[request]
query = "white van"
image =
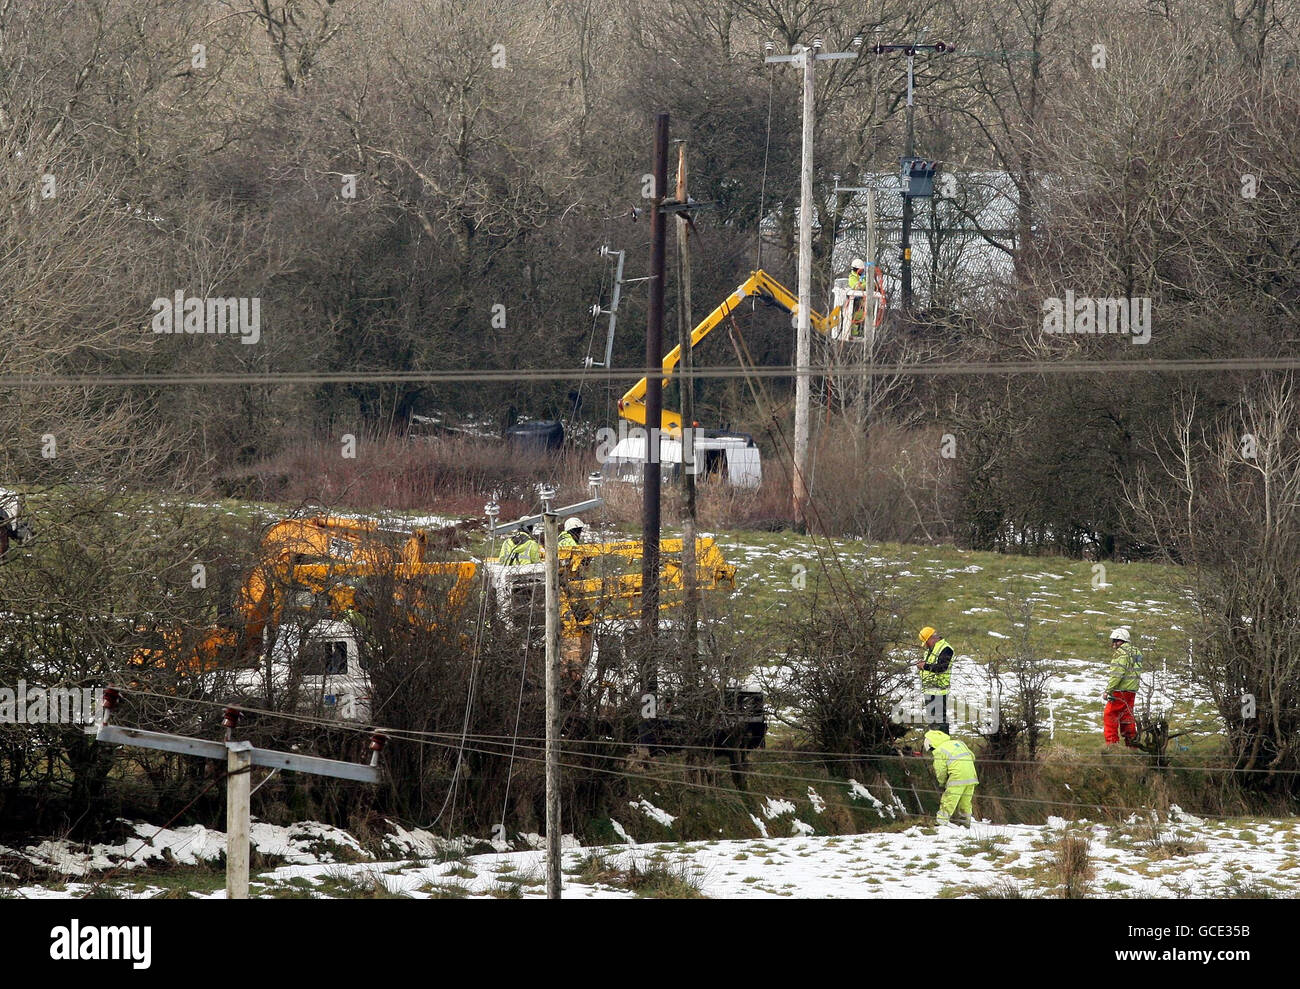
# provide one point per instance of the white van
(732, 458)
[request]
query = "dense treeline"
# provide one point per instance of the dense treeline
(383, 177)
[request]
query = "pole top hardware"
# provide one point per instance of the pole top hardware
(690, 206)
(909, 48)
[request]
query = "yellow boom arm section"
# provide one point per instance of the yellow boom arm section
(760, 284)
(611, 593)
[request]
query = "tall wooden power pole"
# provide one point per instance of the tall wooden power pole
(685, 325)
(654, 396)
(551, 536)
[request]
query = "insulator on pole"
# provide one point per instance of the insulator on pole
(377, 742)
(112, 697)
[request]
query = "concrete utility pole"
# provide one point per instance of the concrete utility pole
(873, 303)
(808, 58)
(654, 395)
(551, 535)
(872, 308)
(803, 343)
(685, 326)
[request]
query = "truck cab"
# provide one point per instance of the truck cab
(731, 458)
(320, 663)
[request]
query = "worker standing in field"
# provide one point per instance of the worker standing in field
(936, 677)
(572, 534)
(521, 548)
(1121, 690)
(954, 768)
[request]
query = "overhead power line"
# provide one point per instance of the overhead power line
(473, 375)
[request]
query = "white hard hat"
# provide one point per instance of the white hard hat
(1120, 633)
(857, 263)
(572, 522)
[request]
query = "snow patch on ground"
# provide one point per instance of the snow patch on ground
(775, 808)
(306, 842)
(815, 798)
(859, 792)
(918, 862)
(653, 812)
(621, 832)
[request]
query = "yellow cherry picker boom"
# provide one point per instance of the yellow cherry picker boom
(730, 455)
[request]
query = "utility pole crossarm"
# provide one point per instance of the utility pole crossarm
(576, 509)
(240, 757)
(292, 762)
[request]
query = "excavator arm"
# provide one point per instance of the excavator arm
(327, 557)
(759, 285)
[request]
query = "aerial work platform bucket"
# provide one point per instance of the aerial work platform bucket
(861, 311)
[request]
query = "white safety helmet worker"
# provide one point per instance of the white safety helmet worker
(573, 523)
(1119, 635)
(857, 264)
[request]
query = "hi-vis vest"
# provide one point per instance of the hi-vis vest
(954, 762)
(1125, 668)
(520, 553)
(937, 683)
(566, 540)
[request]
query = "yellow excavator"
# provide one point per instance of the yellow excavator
(312, 572)
(308, 561)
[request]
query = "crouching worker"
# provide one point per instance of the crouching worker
(954, 768)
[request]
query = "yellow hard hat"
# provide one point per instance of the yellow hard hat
(925, 634)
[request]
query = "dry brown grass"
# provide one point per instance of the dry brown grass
(1072, 865)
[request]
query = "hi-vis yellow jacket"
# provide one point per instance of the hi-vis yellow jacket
(954, 763)
(934, 681)
(1125, 668)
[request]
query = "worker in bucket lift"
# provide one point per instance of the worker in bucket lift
(521, 548)
(859, 282)
(954, 768)
(1121, 690)
(936, 677)
(572, 534)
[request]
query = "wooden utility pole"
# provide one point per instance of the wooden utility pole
(803, 343)
(239, 770)
(551, 535)
(872, 305)
(654, 395)
(685, 327)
